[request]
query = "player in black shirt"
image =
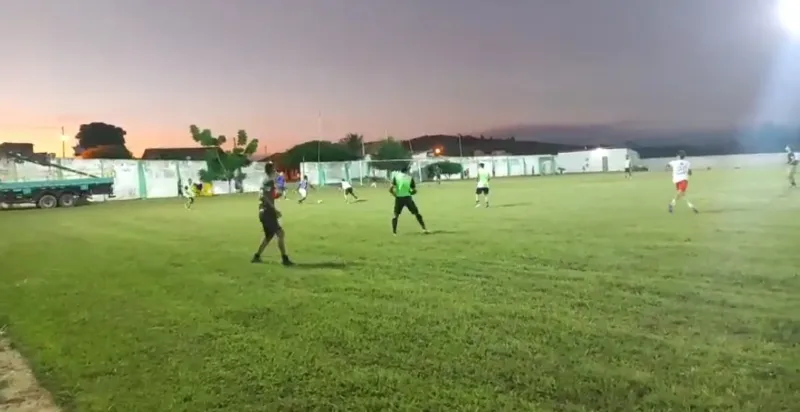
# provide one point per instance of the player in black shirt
(269, 215)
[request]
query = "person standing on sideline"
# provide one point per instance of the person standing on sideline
(792, 159)
(628, 172)
(403, 188)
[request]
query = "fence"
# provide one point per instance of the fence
(423, 169)
(133, 179)
(146, 179)
(602, 160)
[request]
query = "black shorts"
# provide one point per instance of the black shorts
(482, 191)
(627, 170)
(348, 191)
(406, 202)
(269, 223)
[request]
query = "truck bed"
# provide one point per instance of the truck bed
(82, 184)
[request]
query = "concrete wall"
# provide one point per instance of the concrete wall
(502, 166)
(133, 179)
(721, 162)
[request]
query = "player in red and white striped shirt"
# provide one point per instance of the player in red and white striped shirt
(681, 170)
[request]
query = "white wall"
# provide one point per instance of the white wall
(592, 160)
(721, 162)
(501, 166)
(133, 179)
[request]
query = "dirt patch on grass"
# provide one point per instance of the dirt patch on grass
(19, 391)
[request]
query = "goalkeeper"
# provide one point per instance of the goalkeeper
(403, 188)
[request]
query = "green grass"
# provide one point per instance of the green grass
(573, 293)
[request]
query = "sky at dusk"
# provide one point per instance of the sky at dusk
(407, 67)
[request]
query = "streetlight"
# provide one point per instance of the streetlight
(789, 16)
(64, 138)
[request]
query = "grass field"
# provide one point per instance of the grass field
(573, 293)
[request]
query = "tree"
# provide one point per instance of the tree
(94, 135)
(445, 168)
(106, 152)
(222, 164)
(354, 142)
(314, 150)
(391, 156)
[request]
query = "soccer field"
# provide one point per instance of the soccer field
(571, 293)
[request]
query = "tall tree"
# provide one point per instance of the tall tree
(96, 135)
(106, 152)
(354, 142)
(224, 164)
(323, 150)
(391, 156)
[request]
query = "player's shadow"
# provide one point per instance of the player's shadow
(722, 210)
(437, 232)
(359, 200)
(511, 205)
(321, 265)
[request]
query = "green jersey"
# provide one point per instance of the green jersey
(483, 178)
(404, 185)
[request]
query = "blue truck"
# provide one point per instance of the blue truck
(47, 194)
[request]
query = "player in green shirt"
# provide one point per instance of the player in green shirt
(403, 188)
(483, 186)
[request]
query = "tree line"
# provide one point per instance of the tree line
(226, 158)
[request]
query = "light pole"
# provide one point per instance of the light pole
(63, 143)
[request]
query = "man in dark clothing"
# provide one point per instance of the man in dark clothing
(268, 215)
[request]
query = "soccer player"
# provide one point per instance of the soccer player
(188, 194)
(628, 173)
(681, 170)
(403, 188)
(280, 182)
(483, 186)
(792, 159)
(269, 215)
(302, 189)
(347, 189)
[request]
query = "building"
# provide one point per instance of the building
(24, 149)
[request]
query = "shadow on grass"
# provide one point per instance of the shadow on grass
(437, 232)
(511, 205)
(359, 201)
(721, 210)
(320, 265)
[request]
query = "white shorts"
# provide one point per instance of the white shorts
(303, 192)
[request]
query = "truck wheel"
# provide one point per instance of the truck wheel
(47, 201)
(66, 200)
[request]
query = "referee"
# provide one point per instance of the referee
(403, 188)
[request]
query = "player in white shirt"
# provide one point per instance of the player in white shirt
(681, 170)
(792, 159)
(302, 189)
(628, 173)
(347, 190)
(483, 185)
(187, 191)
